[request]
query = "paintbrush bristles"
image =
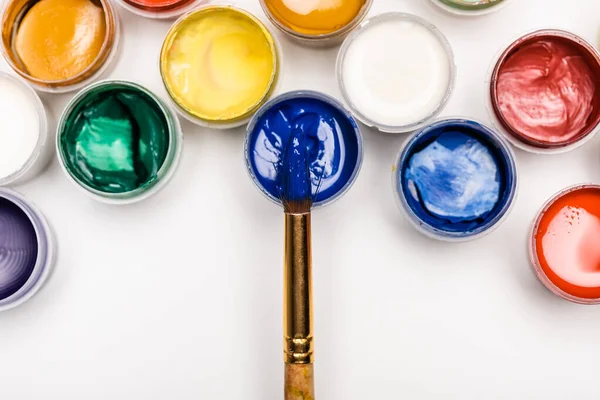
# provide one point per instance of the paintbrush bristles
(297, 206)
(296, 185)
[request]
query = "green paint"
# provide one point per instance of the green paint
(471, 5)
(115, 138)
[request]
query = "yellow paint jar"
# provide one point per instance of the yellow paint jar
(219, 64)
(59, 45)
(319, 22)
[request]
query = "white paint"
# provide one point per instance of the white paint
(396, 72)
(19, 125)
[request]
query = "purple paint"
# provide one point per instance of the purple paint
(26, 249)
(18, 248)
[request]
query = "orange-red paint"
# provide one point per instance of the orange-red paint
(567, 243)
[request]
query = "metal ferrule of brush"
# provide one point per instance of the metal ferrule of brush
(298, 318)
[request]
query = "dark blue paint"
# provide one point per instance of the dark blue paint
(331, 139)
(295, 166)
(420, 187)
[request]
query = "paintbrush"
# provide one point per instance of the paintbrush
(297, 199)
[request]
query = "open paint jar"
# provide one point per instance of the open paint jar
(219, 64)
(396, 72)
(334, 144)
(26, 249)
(316, 22)
(159, 8)
(59, 45)
(455, 180)
(24, 146)
(544, 91)
(470, 7)
(564, 246)
(118, 141)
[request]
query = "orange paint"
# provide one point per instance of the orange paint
(315, 17)
(567, 243)
(59, 39)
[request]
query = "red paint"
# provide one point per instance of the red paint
(159, 5)
(566, 244)
(545, 89)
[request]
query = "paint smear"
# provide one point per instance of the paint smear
(219, 64)
(566, 240)
(59, 39)
(546, 91)
(315, 17)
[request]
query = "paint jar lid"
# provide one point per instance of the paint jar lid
(463, 147)
(14, 12)
(226, 107)
(159, 9)
(563, 244)
(520, 140)
(139, 148)
(41, 150)
(391, 116)
(334, 165)
(470, 8)
(23, 276)
(305, 36)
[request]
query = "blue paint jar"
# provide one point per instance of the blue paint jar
(455, 180)
(334, 144)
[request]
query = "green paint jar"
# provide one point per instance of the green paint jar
(118, 141)
(470, 7)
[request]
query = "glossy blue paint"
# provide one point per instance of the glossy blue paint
(330, 137)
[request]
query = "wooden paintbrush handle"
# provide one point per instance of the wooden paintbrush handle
(298, 318)
(299, 382)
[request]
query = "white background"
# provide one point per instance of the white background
(179, 297)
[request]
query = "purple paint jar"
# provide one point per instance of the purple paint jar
(26, 249)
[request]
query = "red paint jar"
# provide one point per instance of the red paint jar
(565, 244)
(160, 8)
(544, 91)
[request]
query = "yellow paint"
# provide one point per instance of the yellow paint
(315, 17)
(58, 39)
(219, 64)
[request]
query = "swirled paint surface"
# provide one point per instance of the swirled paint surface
(219, 64)
(315, 17)
(18, 248)
(546, 91)
(455, 177)
(331, 140)
(58, 39)
(567, 238)
(115, 139)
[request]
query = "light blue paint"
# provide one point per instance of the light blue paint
(455, 177)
